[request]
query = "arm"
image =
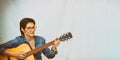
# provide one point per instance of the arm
(10, 44)
(51, 53)
(20, 55)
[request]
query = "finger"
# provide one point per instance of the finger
(57, 39)
(56, 43)
(21, 56)
(22, 53)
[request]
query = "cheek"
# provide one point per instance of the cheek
(26, 31)
(30, 32)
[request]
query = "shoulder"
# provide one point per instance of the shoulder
(16, 38)
(20, 38)
(15, 41)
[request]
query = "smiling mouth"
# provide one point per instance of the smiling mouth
(31, 33)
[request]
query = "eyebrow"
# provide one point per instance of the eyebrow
(30, 26)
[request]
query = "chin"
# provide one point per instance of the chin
(32, 35)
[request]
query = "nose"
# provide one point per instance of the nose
(32, 30)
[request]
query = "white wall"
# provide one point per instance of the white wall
(93, 23)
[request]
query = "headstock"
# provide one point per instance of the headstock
(65, 36)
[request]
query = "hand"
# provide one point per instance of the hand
(20, 55)
(56, 42)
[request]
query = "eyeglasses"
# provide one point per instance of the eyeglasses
(29, 28)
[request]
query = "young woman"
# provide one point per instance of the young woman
(27, 29)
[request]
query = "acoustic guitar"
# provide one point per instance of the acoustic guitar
(26, 48)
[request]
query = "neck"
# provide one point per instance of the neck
(29, 38)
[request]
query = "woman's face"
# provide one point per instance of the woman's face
(29, 29)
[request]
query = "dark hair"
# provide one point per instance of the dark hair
(24, 22)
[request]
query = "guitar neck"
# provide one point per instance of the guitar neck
(39, 48)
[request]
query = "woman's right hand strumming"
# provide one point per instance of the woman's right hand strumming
(20, 55)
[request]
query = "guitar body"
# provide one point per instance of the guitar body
(21, 48)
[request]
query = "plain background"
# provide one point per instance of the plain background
(95, 25)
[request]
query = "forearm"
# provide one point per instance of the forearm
(19, 55)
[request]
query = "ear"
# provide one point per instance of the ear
(22, 29)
